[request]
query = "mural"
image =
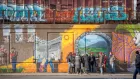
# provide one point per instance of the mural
(97, 15)
(94, 42)
(49, 55)
(38, 10)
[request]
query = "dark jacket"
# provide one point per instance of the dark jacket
(92, 60)
(86, 61)
(137, 61)
(69, 58)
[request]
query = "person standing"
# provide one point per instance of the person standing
(73, 63)
(92, 62)
(112, 64)
(104, 62)
(13, 57)
(69, 58)
(82, 64)
(101, 62)
(137, 64)
(86, 60)
(78, 63)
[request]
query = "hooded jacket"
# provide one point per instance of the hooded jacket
(137, 61)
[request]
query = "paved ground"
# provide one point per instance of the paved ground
(66, 77)
(63, 76)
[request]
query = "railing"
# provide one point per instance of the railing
(68, 17)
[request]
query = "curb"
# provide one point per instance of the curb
(59, 74)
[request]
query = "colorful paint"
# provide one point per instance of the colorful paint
(47, 49)
(39, 10)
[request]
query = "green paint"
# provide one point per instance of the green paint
(128, 27)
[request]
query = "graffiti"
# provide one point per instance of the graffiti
(96, 15)
(3, 6)
(137, 38)
(19, 12)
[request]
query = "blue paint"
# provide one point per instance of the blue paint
(28, 8)
(19, 12)
(39, 11)
(95, 15)
(15, 12)
(3, 7)
(11, 10)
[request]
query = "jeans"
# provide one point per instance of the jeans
(14, 65)
(112, 68)
(51, 65)
(92, 67)
(69, 66)
(136, 72)
(101, 70)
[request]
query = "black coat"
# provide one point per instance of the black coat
(86, 61)
(137, 61)
(92, 60)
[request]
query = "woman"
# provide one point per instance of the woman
(101, 62)
(112, 64)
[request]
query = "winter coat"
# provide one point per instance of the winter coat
(86, 60)
(112, 60)
(77, 62)
(92, 59)
(73, 61)
(100, 60)
(137, 61)
(69, 58)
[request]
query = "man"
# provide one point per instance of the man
(86, 61)
(69, 60)
(13, 56)
(137, 64)
(92, 62)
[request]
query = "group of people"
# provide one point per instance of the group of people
(89, 63)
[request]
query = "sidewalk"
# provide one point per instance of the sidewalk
(63, 74)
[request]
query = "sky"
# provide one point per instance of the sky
(90, 39)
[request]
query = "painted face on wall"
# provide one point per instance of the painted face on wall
(137, 38)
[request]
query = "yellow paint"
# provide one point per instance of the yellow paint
(68, 39)
(68, 44)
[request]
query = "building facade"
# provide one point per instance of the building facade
(68, 11)
(35, 44)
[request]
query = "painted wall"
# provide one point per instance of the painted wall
(45, 43)
(42, 11)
